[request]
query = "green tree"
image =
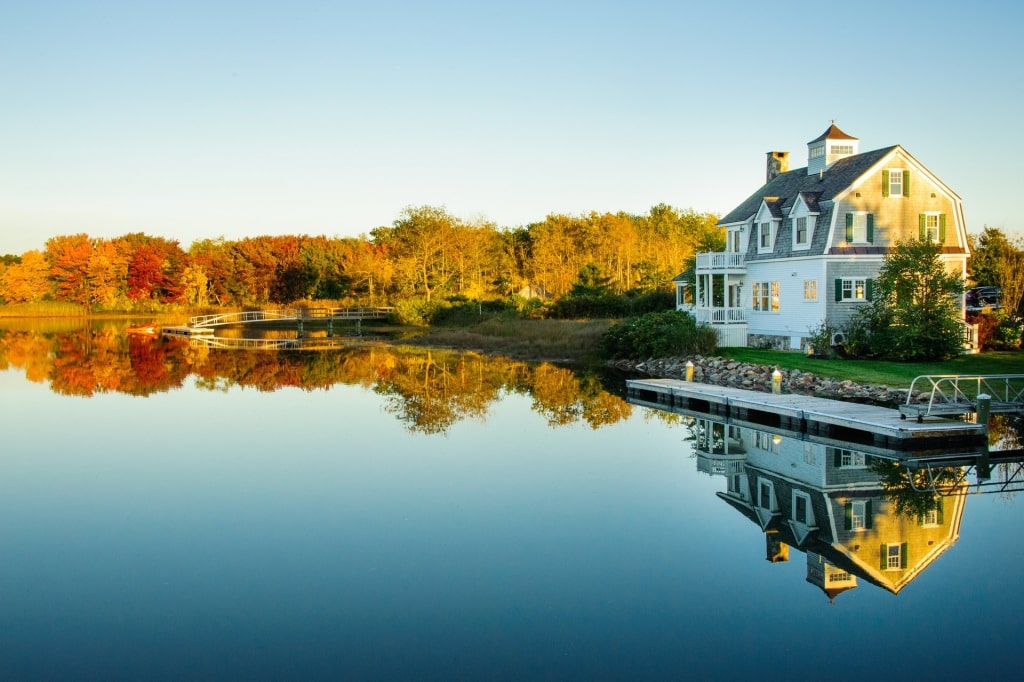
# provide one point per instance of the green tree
(913, 314)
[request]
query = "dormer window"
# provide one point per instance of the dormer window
(764, 236)
(842, 149)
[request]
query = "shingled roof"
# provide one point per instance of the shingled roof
(787, 186)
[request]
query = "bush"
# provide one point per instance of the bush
(659, 335)
(819, 340)
(997, 331)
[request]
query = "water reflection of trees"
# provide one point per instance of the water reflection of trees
(428, 390)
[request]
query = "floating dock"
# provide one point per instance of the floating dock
(834, 420)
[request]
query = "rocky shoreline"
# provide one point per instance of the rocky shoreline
(726, 372)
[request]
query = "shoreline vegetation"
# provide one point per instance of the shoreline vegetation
(578, 342)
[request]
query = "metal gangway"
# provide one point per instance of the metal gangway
(957, 394)
(289, 314)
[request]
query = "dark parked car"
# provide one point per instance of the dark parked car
(980, 298)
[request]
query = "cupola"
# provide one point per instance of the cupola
(829, 147)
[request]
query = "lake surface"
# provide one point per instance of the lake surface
(175, 512)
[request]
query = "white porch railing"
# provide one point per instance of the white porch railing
(720, 315)
(722, 260)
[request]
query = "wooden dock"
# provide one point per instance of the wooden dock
(835, 420)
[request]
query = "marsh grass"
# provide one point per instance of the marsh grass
(564, 340)
(44, 309)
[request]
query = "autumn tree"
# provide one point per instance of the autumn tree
(27, 281)
(420, 242)
(69, 258)
(999, 261)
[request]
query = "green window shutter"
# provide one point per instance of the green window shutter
(883, 557)
(885, 183)
(849, 227)
(839, 298)
(941, 514)
(906, 183)
(920, 225)
(903, 555)
(942, 228)
(867, 514)
(871, 228)
(869, 289)
(848, 511)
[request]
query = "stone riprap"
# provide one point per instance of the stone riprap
(726, 372)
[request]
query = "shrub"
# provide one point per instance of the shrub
(659, 335)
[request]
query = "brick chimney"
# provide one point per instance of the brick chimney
(778, 163)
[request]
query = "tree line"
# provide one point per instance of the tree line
(426, 253)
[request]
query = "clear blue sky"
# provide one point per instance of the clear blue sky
(193, 120)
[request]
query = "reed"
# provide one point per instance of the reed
(569, 340)
(44, 309)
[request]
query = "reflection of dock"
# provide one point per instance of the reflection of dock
(800, 414)
(186, 331)
(311, 343)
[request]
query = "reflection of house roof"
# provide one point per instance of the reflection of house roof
(820, 540)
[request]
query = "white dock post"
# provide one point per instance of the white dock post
(689, 370)
(776, 381)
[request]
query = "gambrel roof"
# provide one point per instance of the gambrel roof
(824, 187)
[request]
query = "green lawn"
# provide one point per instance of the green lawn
(880, 372)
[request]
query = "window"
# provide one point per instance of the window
(933, 227)
(857, 515)
(817, 152)
(852, 289)
(800, 230)
(860, 228)
(850, 458)
(930, 518)
(766, 296)
(895, 183)
(733, 241)
(842, 149)
(765, 441)
(764, 236)
(810, 290)
(894, 556)
(766, 495)
(802, 509)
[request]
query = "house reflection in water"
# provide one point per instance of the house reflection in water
(835, 505)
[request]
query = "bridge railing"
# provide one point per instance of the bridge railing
(243, 317)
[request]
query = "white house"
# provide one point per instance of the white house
(804, 248)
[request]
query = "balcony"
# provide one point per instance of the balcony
(720, 262)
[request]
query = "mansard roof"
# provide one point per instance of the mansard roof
(787, 186)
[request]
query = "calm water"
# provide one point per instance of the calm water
(180, 513)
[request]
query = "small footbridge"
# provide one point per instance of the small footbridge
(946, 395)
(289, 315)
